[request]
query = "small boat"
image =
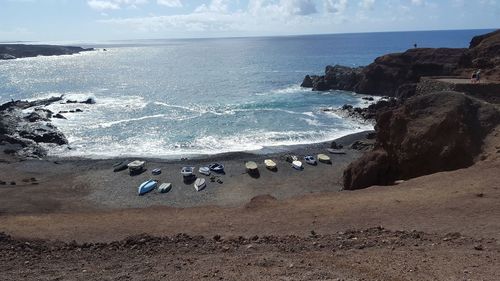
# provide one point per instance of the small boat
(187, 171)
(165, 187)
(291, 158)
(270, 164)
(336, 151)
(136, 167)
(146, 187)
(120, 166)
(216, 167)
(310, 160)
(251, 166)
(156, 172)
(297, 165)
(199, 184)
(324, 158)
(204, 170)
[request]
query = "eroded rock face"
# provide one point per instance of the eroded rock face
(431, 133)
(388, 74)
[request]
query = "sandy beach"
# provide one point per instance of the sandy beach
(69, 185)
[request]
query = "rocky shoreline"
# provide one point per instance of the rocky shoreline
(25, 127)
(420, 129)
(396, 75)
(15, 51)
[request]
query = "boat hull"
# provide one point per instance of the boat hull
(146, 187)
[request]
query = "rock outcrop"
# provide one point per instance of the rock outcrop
(13, 51)
(395, 75)
(430, 133)
(22, 133)
(336, 77)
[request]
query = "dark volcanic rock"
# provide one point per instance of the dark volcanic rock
(436, 132)
(43, 134)
(12, 51)
(394, 74)
(389, 72)
(21, 133)
(336, 77)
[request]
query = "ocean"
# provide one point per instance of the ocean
(178, 98)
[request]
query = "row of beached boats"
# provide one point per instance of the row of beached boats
(188, 172)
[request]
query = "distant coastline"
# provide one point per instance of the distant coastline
(15, 51)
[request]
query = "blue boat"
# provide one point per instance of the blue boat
(146, 187)
(216, 167)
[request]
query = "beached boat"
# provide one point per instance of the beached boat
(251, 166)
(336, 151)
(199, 184)
(270, 164)
(310, 160)
(187, 171)
(120, 166)
(165, 187)
(146, 187)
(204, 170)
(297, 165)
(291, 158)
(216, 167)
(324, 158)
(136, 167)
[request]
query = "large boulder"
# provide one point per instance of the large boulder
(431, 133)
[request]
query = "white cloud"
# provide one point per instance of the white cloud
(170, 3)
(367, 4)
(102, 5)
(335, 6)
(216, 6)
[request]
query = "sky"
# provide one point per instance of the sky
(101, 20)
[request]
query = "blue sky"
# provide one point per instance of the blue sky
(96, 20)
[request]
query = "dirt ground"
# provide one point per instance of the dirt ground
(444, 226)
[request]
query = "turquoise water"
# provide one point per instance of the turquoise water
(169, 98)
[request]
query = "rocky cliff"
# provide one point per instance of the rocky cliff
(13, 51)
(430, 133)
(395, 74)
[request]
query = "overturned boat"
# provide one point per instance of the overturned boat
(146, 187)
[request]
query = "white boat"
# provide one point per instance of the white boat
(324, 158)
(297, 165)
(310, 160)
(270, 164)
(199, 184)
(204, 170)
(165, 187)
(136, 165)
(251, 166)
(187, 171)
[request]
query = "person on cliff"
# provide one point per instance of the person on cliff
(478, 76)
(473, 77)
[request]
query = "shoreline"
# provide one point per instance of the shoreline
(79, 184)
(268, 151)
